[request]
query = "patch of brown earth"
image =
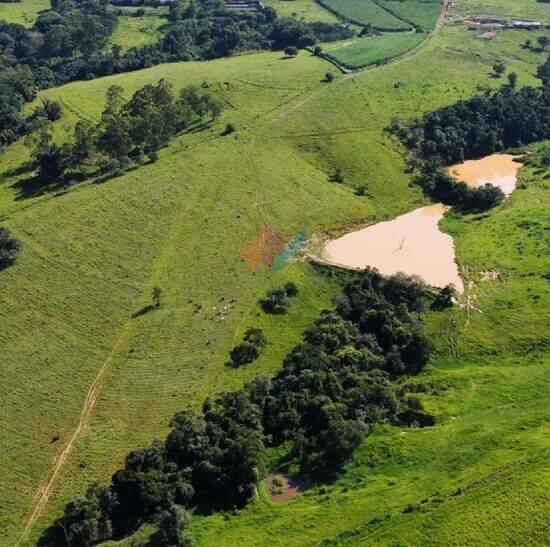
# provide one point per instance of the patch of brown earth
(263, 249)
(283, 487)
(489, 275)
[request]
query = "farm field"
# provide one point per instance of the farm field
(423, 13)
(24, 12)
(304, 10)
(93, 252)
(530, 10)
(373, 50)
(365, 12)
(137, 31)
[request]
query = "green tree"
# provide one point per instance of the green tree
(157, 295)
(244, 353)
(9, 248)
(291, 51)
(174, 528)
(499, 68)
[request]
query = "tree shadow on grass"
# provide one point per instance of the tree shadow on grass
(25, 167)
(144, 310)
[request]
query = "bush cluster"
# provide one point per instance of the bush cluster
(440, 186)
(331, 391)
(249, 349)
(277, 301)
(9, 248)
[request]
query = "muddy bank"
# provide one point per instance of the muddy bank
(411, 243)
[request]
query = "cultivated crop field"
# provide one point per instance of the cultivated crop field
(24, 12)
(373, 50)
(423, 13)
(93, 252)
(366, 12)
(530, 10)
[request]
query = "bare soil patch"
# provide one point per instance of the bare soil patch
(282, 487)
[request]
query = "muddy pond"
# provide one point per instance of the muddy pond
(412, 243)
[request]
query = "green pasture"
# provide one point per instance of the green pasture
(372, 50)
(366, 12)
(24, 12)
(304, 10)
(136, 31)
(92, 253)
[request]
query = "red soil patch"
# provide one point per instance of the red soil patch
(289, 489)
(263, 248)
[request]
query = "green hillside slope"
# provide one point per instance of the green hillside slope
(92, 254)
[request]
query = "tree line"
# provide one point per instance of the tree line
(68, 42)
(472, 128)
(128, 133)
(332, 390)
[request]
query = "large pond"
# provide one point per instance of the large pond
(412, 243)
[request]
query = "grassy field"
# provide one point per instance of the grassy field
(24, 12)
(136, 31)
(420, 12)
(92, 254)
(304, 10)
(366, 12)
(372, 50)
(531, 10)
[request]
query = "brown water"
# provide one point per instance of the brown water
(411, 243)
(499, 170)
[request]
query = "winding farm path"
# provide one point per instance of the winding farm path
(46, 487)
(43, 494)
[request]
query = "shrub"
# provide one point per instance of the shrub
(9, 248)
(329, 77)
(444, 298)
(338, 176)
(291, 51)
(244, 353)
(276, 301)
(291, 289)
(52, 109)
(174, 528)
(317, 50)
(499, 68)
(255, 337)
